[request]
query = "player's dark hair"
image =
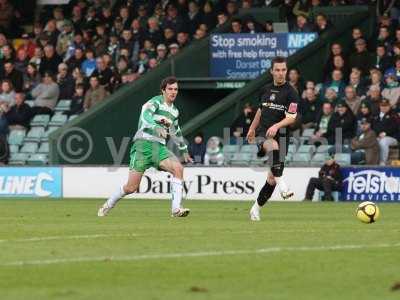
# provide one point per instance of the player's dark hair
(167, 81)
(278, 60)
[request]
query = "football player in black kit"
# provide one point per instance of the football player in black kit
(277, 110)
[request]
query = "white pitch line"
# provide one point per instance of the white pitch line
(195, 254)
(69, 237)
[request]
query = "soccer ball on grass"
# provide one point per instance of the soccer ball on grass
(367, 212)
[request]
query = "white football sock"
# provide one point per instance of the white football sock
(116, 197)
(281, 184)
(177, 190)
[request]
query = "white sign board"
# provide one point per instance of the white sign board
(200, 183)
(52, 2)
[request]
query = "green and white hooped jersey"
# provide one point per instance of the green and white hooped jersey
(156, 113)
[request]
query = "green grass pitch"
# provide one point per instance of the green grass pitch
(60, 249)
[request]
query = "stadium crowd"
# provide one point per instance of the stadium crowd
(90, 48)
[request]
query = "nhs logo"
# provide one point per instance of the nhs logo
(30, 182)
(381, 184)
(300, 40)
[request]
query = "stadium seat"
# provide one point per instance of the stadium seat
(16, 137)
(343, 159)
(258, 161)
(13, 148)
(29, 148)
(301, 159)
(72, 117)
(335, 194)
(37, 159)
(288, 158)
(318, 159)
(306, 149)
(308, 132)
(229, 151)
(34, 134)
(292, 148)
(18, 158)
(241, 159)
(30, 102)
(58, 120)
(323, 148)
(40, 120)
(249, 149)
(44, 148)
(46, 134)
(63, 105)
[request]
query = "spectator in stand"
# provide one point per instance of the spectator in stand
(336, 83)
(374, 99)
(37, 57)
(6, 15)
(65, 82)
(102, 72)
(302, 24)
(241, 125)
(14, 76)
(329, 180)
(231, 8)
(161, 53)
(153, 32)
(31, 78)
(45, 95)
(194, 17)
(394, 70)
(182, 39)
(252, 26)
(392, 89)
(363, 113)
(19, 115)
(335, 50)
(269, 27)
(222, 19)
(7, 95)
(357, 84)
(376, 79)
(169, 36)
(50, 60)
(344, 120)
(173, 49)
(214, 155)
(386, 128)
(352, 100)
(322, 23)
(172, 19)
(197, 149)
(338, 64)
(21, 61)
(365, 147)
(310, 109)
(382, 60)
(95, 94)
(236, 26)
(65, 38)
(77, 100)
(100, 40)
(27, 44)
(89, 64)
(76, 60)
(209, 17)
(323, 120)
(295, 80)
(361, 58)
(51, 32)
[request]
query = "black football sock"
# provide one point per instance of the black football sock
(265, 193)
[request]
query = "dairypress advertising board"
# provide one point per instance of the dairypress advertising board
(247, 56)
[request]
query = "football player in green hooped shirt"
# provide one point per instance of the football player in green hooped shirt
(158, 119)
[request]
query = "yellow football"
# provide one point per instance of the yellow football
(367, 212)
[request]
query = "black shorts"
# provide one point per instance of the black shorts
(282, 139)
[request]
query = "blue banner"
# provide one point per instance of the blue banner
(30, 182)
(371, 184)
(247, 56)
